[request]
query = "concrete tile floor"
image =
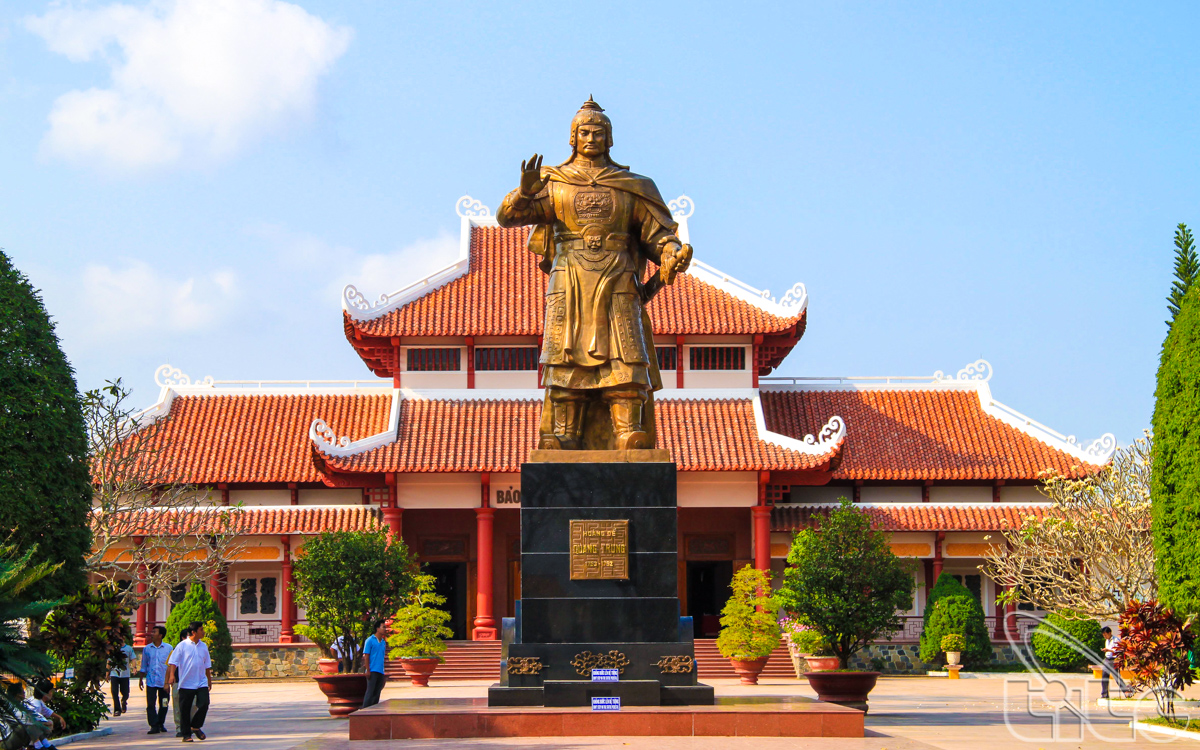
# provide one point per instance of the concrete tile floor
(907, 713)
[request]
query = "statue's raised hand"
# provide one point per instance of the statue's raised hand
(531, 176)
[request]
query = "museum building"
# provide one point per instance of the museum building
(430, 448)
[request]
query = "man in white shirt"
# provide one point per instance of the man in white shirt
(154, 674)
(1111, 642)
(191, 665)
(118, 682)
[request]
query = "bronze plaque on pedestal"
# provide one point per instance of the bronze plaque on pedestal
(600, 550)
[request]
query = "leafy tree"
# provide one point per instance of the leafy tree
(348, 580)
(844, 580)
(45, 494)
(1155, 646)
(1067, 642)
(18, 658)
(1090, 553)
(198, 606)
(1175, 475)
(957, 613)
(419, 627)
(749, 629)
(1186, 268)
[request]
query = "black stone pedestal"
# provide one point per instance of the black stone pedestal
(563, 626)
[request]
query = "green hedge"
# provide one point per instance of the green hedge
(199, 606)
(962, 615)
(1053, 641)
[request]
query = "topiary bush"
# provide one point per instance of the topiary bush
(956, 614)
(749, 629)
(1054, 641)
(199, 606)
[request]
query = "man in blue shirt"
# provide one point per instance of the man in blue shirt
(154, 675)
(374, 651)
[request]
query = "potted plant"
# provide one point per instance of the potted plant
(321, 638)
(749, 630)
(953, 644)
(346, 580)
(843, 580)
(419, 631)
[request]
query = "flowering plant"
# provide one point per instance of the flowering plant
(803, 638)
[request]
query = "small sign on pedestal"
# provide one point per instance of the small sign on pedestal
(606, 675)
(606, 703)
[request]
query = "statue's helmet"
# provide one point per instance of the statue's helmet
(592, 113)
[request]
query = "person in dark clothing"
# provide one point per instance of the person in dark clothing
(374, 651)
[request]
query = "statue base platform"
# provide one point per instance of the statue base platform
(462, 718)
(566, 693)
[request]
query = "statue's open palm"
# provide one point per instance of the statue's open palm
(531, 176)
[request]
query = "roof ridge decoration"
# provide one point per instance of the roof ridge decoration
(980, 369)
(166, 376)
(831, 435)
(326, 440)
(790, 305)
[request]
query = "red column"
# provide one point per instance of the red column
(762, 536)
(139, 632)
(287, 616)
(998, 631)
(216, 589)
(485, 624)
(392, 513)
(937, 556)
(679, 361)
(470, 361)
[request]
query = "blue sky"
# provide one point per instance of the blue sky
(193, 181)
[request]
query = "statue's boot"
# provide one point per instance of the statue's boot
(626, 406)
(567, 409)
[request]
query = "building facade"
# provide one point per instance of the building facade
(430, 447)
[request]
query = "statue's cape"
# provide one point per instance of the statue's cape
(617, 179)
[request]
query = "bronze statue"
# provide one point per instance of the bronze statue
(596, 224)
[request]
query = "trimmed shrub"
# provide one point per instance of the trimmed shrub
(1175, 478)
(961, 615)
(1053, 641)
(199, 606)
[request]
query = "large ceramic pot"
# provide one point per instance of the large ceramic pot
(823, 663)
(844, 688)
(953, 657)
(419, 670)
(749, 669)
(345, 692)
(327, 666)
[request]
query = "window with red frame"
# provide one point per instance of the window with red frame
(717, 357)
(506, 358)
(668, 357)
(433, 360)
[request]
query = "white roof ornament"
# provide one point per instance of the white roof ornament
(323, 435)
(828, 436)
(980, 369)
(470, 208)
(166, 376)
(681, 210)
(1100, 450)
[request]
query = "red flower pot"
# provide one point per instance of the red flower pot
(822, 663)
(844, 688)
(327, 666)
(345, 692)
(419, 670)
(748, 669)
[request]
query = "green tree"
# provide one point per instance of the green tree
(844, 580)
(749, 628)
(419, 628)
(1066, 641)
(1175, 473)
(1186, 268)
(198, 606)
(952, 608)
(348, 580)
(18, 658)
(45, 491)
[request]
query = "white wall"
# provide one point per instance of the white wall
(960, 494)
(890, 494)
(717, 489)
(438, 490)
(505, 491)
(423, 380)
(330, 497)
(260, 497)
(506, 379)
(1025, 495)
(821, 494)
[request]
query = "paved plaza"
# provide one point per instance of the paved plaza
(907, 713)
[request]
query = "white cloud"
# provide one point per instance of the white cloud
(192, 80)
(118, 304)
(387, 272)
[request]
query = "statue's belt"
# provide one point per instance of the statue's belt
(615, 242)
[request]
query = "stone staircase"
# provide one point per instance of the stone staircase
(464, 660)
(711, 665)
(480, 660)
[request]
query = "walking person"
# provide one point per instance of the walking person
(183, 636)
(191, 666)
(153, 674)
(374, 651)
(1111, 641)
(118, 682)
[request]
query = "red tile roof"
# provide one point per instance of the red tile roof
(928, 434)
(298, 519)
(213, 439)
(502, 295)
(476, 435)
(923, 517)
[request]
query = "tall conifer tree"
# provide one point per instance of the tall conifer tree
(1186, 269)
(1175, 475)
(45, 487)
